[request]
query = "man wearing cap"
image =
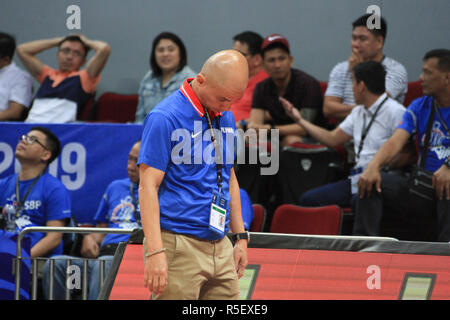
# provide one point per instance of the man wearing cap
(295, 86)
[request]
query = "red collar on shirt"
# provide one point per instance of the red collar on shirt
(187, 91)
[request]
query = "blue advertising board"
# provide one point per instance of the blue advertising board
(92, 156)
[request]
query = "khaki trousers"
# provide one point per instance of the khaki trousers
(198, 269)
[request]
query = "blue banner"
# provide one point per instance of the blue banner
(92, 156)
(8, 245)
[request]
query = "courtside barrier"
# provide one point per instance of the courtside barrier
(78, 230)
(305, 267)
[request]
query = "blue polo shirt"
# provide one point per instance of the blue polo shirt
(48, 200)
(415, 120)
(117, 209)
(176, 140)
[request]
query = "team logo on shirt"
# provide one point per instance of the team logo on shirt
(123, 214)
(28, 205)
(439, 141)
(23, 221)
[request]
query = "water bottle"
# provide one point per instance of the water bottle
(10, 212)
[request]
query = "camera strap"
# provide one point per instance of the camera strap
(440, 118)
(427, 136)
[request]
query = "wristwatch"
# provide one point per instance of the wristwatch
(243, 235)
(447, 162)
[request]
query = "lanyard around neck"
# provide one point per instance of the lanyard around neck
(217, 148)
(366, 130)
(21, 202)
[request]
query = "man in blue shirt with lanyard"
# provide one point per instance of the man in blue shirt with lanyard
(33, 197)
(119, 208)
(377, 191)
(188, 193)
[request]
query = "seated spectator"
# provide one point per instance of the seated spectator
(370, 124)
(168, 64)
(33, 197)
(378, 191)
(63, 91)
(16, 88)
(119, 208)
(297, 87)
(249, 44)
(366, 45)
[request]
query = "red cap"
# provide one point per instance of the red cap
(274, 38)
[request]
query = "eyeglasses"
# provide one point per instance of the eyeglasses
(67, 51)
(31, 139)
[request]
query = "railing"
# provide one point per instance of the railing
(80, 230)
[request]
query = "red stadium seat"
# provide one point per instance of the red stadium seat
(326, 220)
(414, 92)
(114, 107)
(323, 87)
(259, 218)
(86, 113)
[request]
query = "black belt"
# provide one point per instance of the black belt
(193, 237)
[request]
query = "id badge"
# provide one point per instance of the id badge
(354, 178)
(218, 214)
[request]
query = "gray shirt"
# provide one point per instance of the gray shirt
(340, 81)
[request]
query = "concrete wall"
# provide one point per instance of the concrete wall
(318, 30)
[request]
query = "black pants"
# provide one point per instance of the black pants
(395, 197)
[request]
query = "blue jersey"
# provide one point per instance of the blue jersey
(415, 120)
(48, 200)
(117, 209)
(176, 140)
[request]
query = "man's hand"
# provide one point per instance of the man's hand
(82, 38)
(90, 247)
(354, 59)
(291, 111)
(156, 273)
(240, 257)
(369, 178)
(441, 182)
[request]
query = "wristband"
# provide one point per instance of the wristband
(240, 236)
(149, 254)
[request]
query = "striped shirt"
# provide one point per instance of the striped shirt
(60, 95)
(340, 82)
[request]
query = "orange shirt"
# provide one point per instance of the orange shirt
(241, 108)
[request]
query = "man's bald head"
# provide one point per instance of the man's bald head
(222, 80)
(226, 67)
